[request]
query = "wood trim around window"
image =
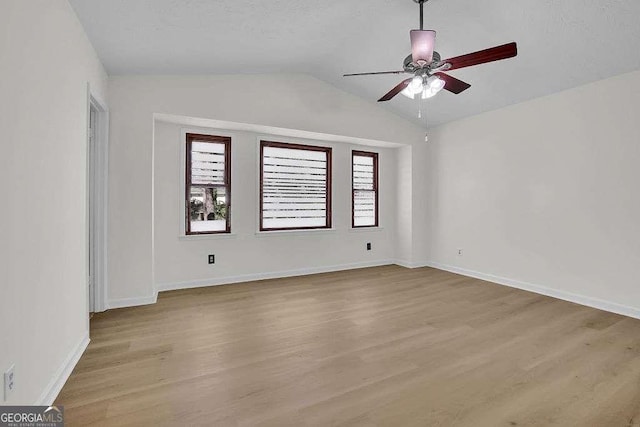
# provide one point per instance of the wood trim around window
(190, 138)
(327, 150)
(375, 188)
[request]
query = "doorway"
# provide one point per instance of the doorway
(97, 167)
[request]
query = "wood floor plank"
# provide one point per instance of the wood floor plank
(383, 346)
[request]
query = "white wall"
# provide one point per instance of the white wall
(286, 101)
(45, 64)
(404, 224)
(182, 261)
(545, 194)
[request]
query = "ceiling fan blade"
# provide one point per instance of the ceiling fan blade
(422, 44)
(396, 90)
(374, 73)
(452, 84)
(497, 53)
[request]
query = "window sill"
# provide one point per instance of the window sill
(218, 236)
(295, 232)
(365, 229)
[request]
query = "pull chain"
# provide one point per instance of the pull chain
(422, 107)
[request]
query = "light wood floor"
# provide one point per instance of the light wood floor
(384, 346)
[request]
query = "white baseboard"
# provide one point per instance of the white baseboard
(262, 276)
(132, 302)
(61, 376)
(555, 293)
(409, 264)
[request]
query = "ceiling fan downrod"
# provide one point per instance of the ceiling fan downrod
(421, 3)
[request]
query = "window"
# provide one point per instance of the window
(295, 186)
(364, 189)
(208, 184)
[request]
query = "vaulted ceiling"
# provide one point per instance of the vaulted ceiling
(562, 43)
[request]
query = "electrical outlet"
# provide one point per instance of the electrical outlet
(459, 252)
(368, 246)
(9, 382)
(212, 259)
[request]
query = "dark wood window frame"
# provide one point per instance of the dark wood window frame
(293, 146)
(373, 155)
(191, 137)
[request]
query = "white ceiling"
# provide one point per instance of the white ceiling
(562, 43)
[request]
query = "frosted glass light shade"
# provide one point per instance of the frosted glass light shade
(413, 88)
(416, 84)
(436, 83)
(433, 85)
(406, 92)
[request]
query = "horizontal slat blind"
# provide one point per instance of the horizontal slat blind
(207, 163)
(294, 188)
(364, 190)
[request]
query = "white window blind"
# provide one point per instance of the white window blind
(295, 186)
(365, 189)
(207, 163)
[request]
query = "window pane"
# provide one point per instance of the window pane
(364, 208)
(363, 173)
(208, 209)
(207, 163)
(294, 188)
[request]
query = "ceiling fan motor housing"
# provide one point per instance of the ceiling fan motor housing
(410, 67)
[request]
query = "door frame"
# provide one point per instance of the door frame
(98, 194)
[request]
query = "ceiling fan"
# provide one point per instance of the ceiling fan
(428, 68)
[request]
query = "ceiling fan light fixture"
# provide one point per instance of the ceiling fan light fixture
(414, 87)
(433, 85)
(428, 66)
(416, 84)
(408, 93)
(436, 83)
(426, 88)
(428, 93)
